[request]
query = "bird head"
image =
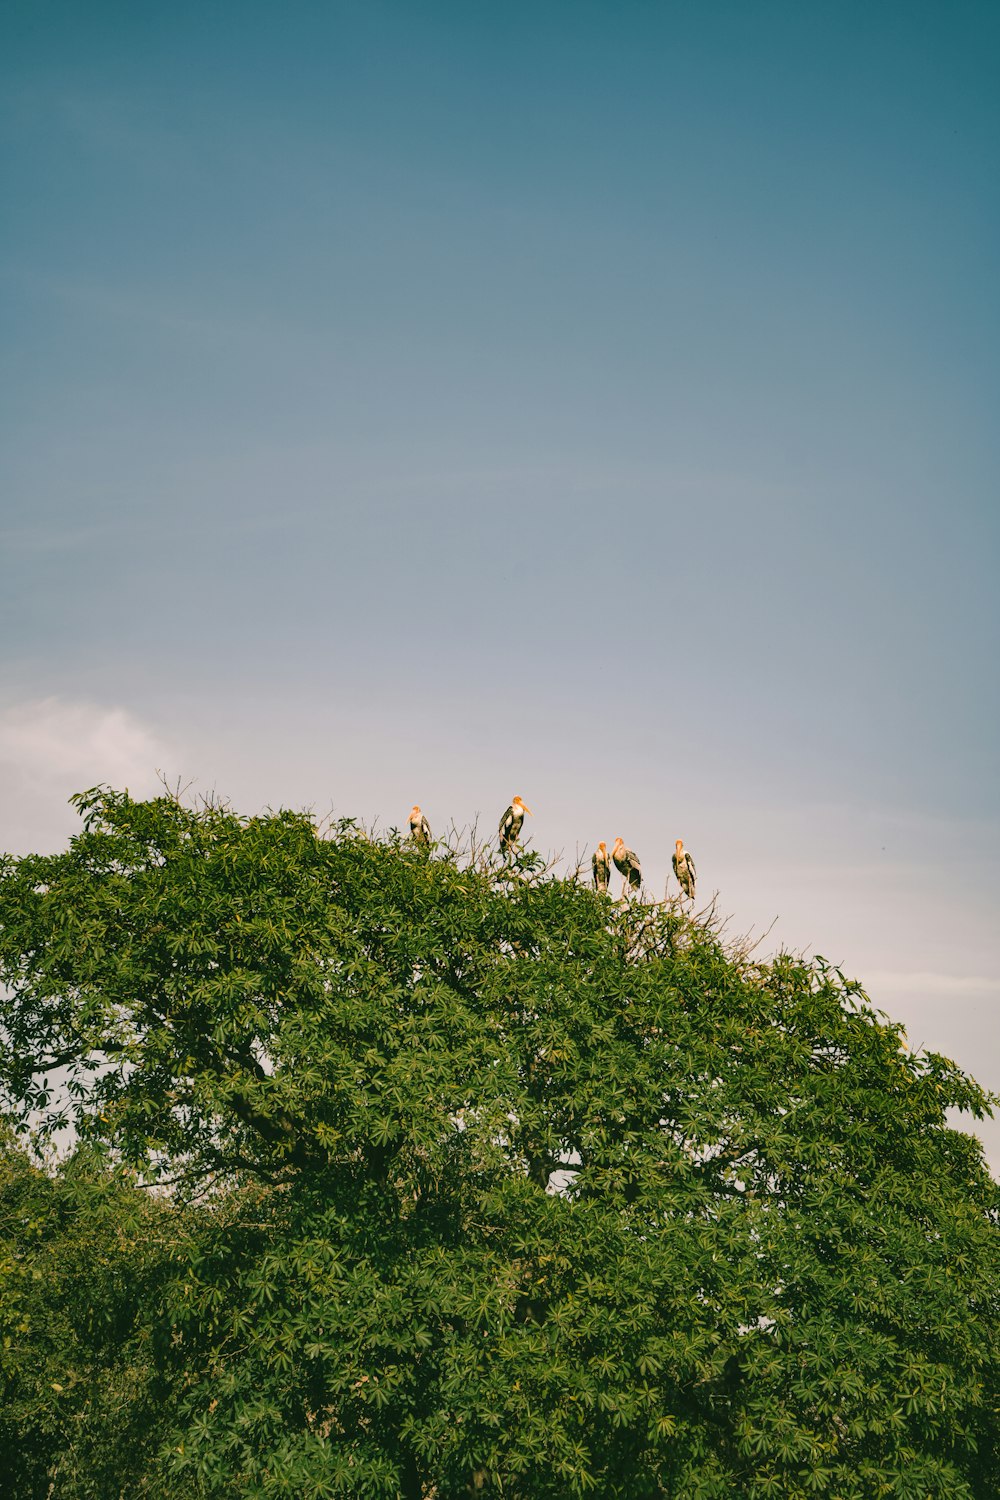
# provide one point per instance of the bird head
(680, 846)
(516, 802)
(619, 844)
(414, 811)
(603, 847)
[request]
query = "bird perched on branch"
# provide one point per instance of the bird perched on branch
(601, 866)
(420, 829)
(627, 865)
(510, 824)
(684, 869)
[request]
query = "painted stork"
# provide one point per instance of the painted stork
(684, 869)
(510, 824)
(601, 866)
(627, 865)
(420, 829)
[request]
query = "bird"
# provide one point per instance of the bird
(601, 866)
(420, 829)
(627, 864)
(510, 824)
(684, 869)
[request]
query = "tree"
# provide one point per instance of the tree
(490, 1186)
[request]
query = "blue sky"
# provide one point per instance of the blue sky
(595, 402)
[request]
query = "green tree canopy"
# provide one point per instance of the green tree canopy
(477, 1183)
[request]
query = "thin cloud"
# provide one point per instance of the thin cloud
(51, 748)
(50, 739)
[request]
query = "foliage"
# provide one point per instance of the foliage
(479, 1183)
(82, 1261)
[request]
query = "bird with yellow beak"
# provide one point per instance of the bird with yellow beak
(627, 865)
(510, 824)
(601, 866)
(420, 829)
(684, 869)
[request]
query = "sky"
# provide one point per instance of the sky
(590, 401)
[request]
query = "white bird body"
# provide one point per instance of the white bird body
(684, 869)
(601, 866)
(420, 829)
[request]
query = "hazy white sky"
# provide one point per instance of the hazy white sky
(596, 403)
